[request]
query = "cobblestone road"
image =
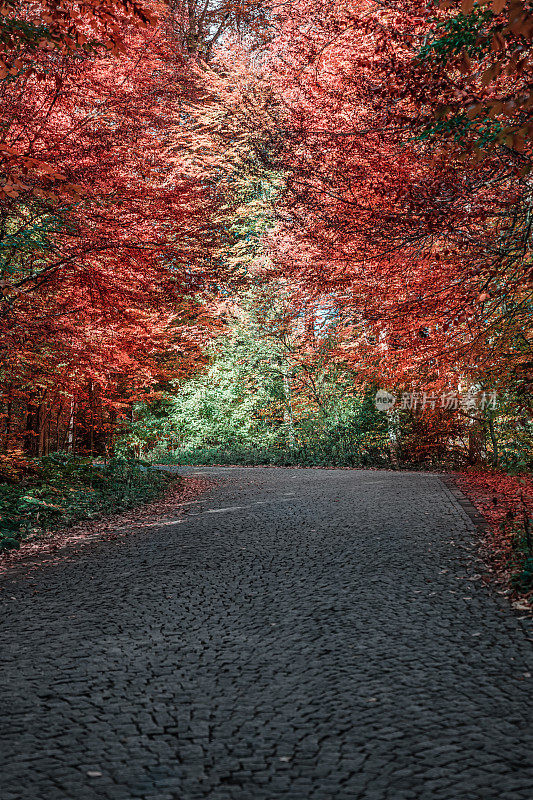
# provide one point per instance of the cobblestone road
(297, 634)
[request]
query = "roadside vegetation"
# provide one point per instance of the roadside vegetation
(38, 495)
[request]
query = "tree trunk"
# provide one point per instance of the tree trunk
(393, 425)
(30, 432)
(495, 452)
(9, 409)
(71, 430)
(58, 445)
(475, 442)
(42, 416)
(287, 409)
(91, 421)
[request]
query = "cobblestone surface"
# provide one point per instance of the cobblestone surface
(299, 634)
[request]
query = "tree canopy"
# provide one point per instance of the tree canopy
(360, 169)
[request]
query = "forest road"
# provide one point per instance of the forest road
(297, 633)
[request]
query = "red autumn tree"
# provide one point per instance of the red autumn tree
(413, 254)
(102, 278)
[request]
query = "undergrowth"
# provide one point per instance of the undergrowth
(522, 566)
(264, 456)
(58, 490)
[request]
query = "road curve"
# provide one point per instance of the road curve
(302, 634)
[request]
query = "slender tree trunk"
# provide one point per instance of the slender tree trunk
(71, 429)
(91, 422)
(288, 413)
(475, 442)
(109, 437)
(9, 409)
(393, 425)
(58, 445)
(30, 429)
(495, 452)
(42, 417)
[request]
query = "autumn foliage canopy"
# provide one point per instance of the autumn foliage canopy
(373, 160)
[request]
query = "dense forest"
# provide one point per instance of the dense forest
(227, 227)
